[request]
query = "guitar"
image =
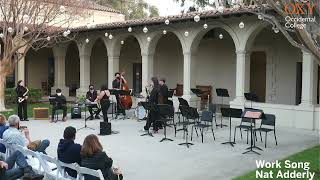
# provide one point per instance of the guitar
(21, 99)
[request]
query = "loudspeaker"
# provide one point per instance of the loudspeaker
(105, 128)
(76, 113)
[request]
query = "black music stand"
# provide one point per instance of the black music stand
(253, 115)
(251, 97)
(85, 120)
(148, 107)
(222, 93)
(231, 113)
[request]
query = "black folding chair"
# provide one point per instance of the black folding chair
(166, 113)
(190, 115)
(182, 102)
(205, 122)
(268, 120)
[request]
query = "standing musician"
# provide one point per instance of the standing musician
(154, 97)
(22, 101)
(103, 99)
(117, 84)
(163, 93)
(91, 96)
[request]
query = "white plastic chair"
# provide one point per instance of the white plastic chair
(51, 167)
(86, 171)
(73, 166)
(33, 158)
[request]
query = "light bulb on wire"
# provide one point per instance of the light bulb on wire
(241, 25)
(196, 18)
(167, 22)
(145, 29)
(164, 32)
(130, 29)
(205, 26)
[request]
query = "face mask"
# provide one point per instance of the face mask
(91, 89)
(59, 94)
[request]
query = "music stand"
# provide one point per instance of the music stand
(85, 119)
(148, 107)
(251, 97)
(231, 113)
(253, 115)
(222, 93)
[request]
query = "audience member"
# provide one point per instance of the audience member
(3, 127)
(19, 135)
(68, 151)
(93, 157)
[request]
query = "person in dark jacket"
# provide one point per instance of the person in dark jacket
(91, 96)
(163, 92)
(68, 151)
(93, 157)
(153, 99)
(3, 127)
(60, 102)
(22, 93)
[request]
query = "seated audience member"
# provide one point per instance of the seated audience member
(93, 157)
(10, 172)
(60, 104)
(68, 151)
(3, 127)
(21, 136)
(91, 96)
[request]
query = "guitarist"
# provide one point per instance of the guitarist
(22, 105)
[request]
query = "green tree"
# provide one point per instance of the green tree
(132, 9)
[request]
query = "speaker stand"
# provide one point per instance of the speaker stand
(85, 125)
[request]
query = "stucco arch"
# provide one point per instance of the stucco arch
(198, 34)
(250, 35)
(115, 43)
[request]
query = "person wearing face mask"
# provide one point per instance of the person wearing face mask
(91, 96)
(22, 105)
(60, 103)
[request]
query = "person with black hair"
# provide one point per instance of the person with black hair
(91, 96)
(103, 98)
(60, 102)
(22, 97)
(68, 151)
(117, 84)
(163, 92)
(154, 97)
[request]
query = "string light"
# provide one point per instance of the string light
(167, 22)
(221, 36)
(122, 42)
(260, 16)
(1, 35)
(48, 38)
(205, 26)
(110, 36)
(106, 34)
(196, 18)
(241, 25)
(148, 39)
(87, 40)
(130, 29)
(25, 28)
(26, 17)
(145, 29)
(65, 34)
(164, 32)
(62, 9)
(221, 9)
(186, 33)
(10, 30)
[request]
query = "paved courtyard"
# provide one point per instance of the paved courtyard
(146, 158)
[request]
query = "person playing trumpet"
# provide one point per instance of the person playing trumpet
(22, 96)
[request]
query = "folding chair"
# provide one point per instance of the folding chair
(268, 120)
(50, 166)
(82, 171)
(205, 122)
(73, 166)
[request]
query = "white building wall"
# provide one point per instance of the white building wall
(99, 65)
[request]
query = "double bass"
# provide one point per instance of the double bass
(126, 101)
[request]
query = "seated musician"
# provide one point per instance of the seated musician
(60, 102)
(91, 97)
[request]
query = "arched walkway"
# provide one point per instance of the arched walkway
(72, 68)
(99, 64)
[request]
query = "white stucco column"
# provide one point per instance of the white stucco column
(84, 72)
(147, 69)
(59, 53)
(113, 67)
(242, 84)
(308, 79)
(188, 79)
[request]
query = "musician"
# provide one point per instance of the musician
(163, 92)
(103, 97)
(117, 84)
(154, 97)
(91, 96)
(22, 106)
(60, 102)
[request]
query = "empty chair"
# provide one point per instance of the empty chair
(205, 122)
(268, 124)
(182, 102)
(244, 124)
(190, 116)
(166, 113)
(83, 171)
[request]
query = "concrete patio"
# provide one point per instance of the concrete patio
(146, 158)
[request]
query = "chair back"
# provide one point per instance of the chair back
(184, 111)
(169, 102)
(86, 171)
(268, 120)
(193, 113)
(213, 108)
(207, 116)
(73, 166)
(34, 158)
(50, 165)
(183, 102)
(166, 110)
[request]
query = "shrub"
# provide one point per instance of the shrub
(34, 95)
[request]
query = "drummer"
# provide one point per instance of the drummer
(90, 98)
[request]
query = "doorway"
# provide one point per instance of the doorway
(137, 78)
(258, 75)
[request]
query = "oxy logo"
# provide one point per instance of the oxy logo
(301, 7)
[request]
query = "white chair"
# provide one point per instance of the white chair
(33, 158)
(51, 167)
(73, 166)
(86, 171)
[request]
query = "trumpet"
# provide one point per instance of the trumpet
(21, 99)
